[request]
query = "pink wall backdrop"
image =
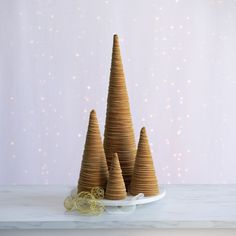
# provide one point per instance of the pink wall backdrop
(180, 63)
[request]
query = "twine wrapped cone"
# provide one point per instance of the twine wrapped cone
(119, 134)
(144, 179)
(94, 171)
(115, 185)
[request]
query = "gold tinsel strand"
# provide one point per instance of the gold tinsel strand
(86, 203)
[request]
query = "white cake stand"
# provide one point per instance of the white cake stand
(134, 200)
(128, 205)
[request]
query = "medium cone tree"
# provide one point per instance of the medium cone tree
(119, 134)
(94, 171)
(115, 189)
(144, 178)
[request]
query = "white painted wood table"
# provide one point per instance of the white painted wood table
(186, 210)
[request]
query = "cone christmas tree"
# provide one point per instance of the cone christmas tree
(144, 179)
(94, 171)
(119, 134)
(115, 189)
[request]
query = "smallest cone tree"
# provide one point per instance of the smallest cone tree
(144, 178)
(94, 170)
(115, 189)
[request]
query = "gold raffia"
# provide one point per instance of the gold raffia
(86, 203)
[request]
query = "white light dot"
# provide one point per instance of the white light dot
(157, 18)
(77, 54)
(189, 81)
(163, 53)
(167, 107)
(40, 149)
(42, 99)
(179, 132)
(11, 98)
(88, 87)
(178, 68)
(167, 141)
(12, 143)
(145, 100)
(74, 77)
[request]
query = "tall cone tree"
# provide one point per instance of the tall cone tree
(119, 134)
(144, 178)
(94, 171)
(115, 189)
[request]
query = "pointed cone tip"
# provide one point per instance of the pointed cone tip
(93, 116)
(93, 113)
(115, 40)
(143, 131)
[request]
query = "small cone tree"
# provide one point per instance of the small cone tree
(115, 189)
(94, 171)
(119, 134)
(144, 178)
